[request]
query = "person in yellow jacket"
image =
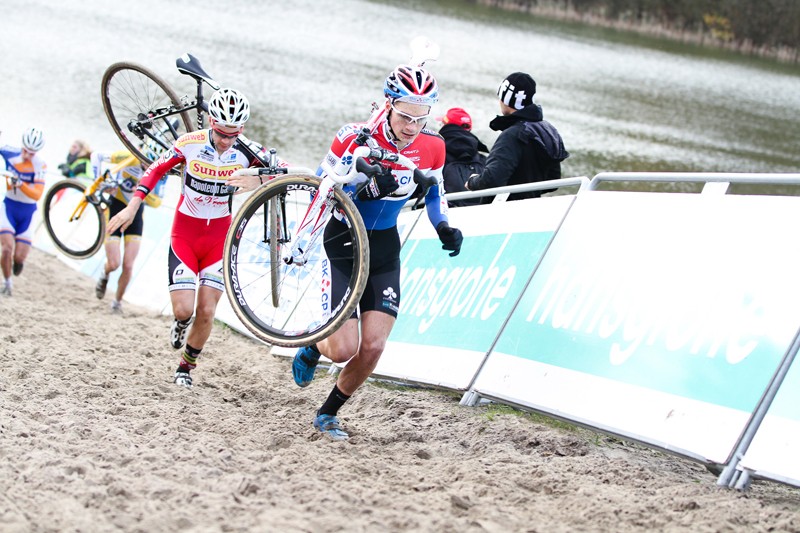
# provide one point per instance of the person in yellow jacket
(127, 170)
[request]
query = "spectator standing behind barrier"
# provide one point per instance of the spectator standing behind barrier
(78, 163)
(528, 150)
(464, 156)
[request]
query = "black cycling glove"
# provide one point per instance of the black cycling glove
(379, 186)
(451, 238)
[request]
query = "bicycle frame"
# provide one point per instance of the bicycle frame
(363, 146)
(309, 231)
(102, 184)
(279, 277)
(189, 65)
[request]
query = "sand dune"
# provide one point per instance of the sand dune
(95, 437)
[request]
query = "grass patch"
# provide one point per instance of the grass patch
(493, 410)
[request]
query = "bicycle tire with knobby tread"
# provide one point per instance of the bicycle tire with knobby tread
(121, 129)
(84, 248)
(234, 287)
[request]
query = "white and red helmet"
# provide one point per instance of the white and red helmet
(414, 85)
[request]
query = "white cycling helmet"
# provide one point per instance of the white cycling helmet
(33, 139)
(229, 108)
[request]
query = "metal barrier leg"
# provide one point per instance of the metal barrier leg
(743, 483)
(470, 399)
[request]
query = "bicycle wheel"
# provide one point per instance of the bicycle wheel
(76, 226)
(290, 304)
(137, 102)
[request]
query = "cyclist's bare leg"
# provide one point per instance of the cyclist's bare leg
(112, 255)
(375, 329)
(342, 345)
(131, 251)
(21, 250)
(7, 245)
(207, 300)
(182, 303)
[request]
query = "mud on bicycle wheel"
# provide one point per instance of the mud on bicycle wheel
(252, 266)
(81, 237)
(131, 93)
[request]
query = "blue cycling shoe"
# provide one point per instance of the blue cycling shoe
(329, 425)
(304, 364)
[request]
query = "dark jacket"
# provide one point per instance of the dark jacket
(463, 158)
(529, 149)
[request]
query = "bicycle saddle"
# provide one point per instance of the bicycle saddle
(190, 65)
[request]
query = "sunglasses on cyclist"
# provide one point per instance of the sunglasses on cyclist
(225, 135)
(410, 119)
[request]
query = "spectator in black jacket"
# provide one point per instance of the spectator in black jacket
(463, 157)
(529, 149)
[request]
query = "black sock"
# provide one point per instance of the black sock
(335, 400)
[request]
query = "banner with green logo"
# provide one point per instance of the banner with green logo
(683, 298)
(453, 308)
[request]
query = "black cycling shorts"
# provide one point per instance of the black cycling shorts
(382, 292)
(136, 227)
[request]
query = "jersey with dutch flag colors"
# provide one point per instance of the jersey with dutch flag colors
(427, 151)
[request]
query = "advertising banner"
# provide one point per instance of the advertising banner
(452, 308)
(661, 317)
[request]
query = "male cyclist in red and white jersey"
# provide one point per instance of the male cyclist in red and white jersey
(201, 221)
(410, 93)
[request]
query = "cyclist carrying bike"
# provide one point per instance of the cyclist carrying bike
(127, 177)
(410, 94)
(25, 172)
(201, 221)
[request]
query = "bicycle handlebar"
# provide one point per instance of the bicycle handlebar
(264, 171)
(11, 177)
(361, 165)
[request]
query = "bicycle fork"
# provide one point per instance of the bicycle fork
(311, 227)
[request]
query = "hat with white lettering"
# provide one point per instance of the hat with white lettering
(517, 90)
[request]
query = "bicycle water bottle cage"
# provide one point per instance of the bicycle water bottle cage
(190, 65)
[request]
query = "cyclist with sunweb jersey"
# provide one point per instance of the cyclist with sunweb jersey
(201, 221)
(410, 93)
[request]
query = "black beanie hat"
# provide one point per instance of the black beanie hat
(517, 90)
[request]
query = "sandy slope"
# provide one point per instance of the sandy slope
(94, 437)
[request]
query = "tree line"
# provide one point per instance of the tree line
(768, 28)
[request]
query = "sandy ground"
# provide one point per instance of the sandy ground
(95, 437)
